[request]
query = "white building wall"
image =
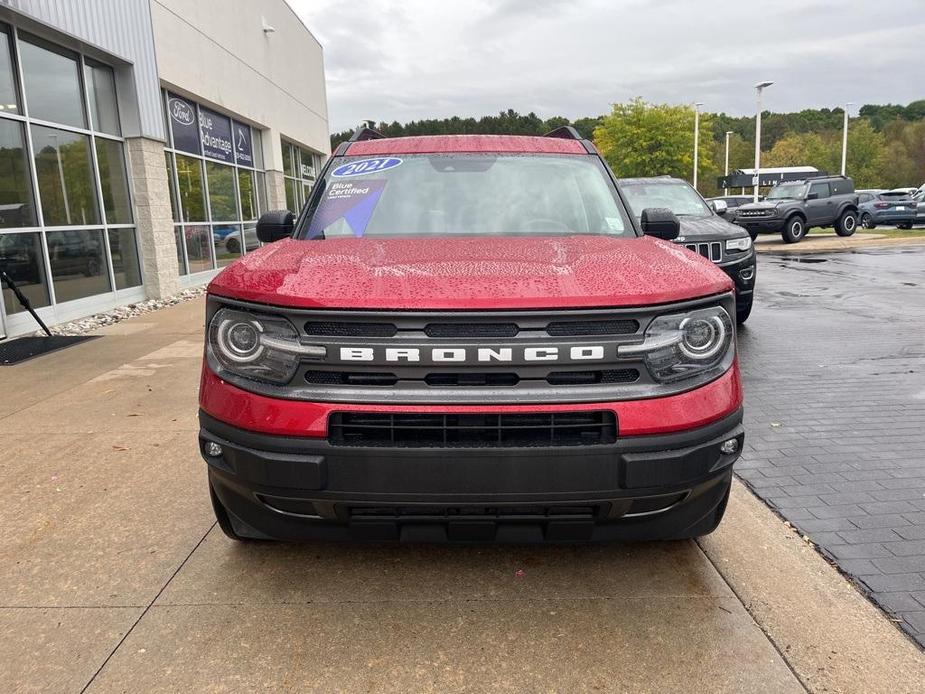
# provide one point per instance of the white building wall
(218, 52)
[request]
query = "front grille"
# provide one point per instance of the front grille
(350, 329)
(471, 330)
(474, 513)
(753, 213)
(411, 430)
(711, 251)
(597, 327)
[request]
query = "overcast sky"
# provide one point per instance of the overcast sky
(410, 59)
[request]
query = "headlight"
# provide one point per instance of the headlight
(265, 348)
(685, 345)
(742, 244)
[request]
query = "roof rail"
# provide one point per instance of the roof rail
(565, 132)
(364, 132)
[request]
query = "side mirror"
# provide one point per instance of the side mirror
(660, 222)
(275, 225)
(812, 196)
(719, 206)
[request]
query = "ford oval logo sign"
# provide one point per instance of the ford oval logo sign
(366, 166)
(181, 111)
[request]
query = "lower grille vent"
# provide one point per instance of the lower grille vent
(595, 327)
(342, 378)
(350, 329)
(409, 430)
(586, 378)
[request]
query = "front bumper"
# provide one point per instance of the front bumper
(661, 486)
(761, 225)
(744, 273)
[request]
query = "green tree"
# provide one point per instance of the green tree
(643, 139)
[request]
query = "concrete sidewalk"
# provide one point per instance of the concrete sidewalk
(115, 577)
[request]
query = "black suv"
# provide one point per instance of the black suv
(703, 230)
(795, 207)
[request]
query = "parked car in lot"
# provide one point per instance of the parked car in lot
(703, 230)
(469, 338)
(920, 207)
(732, 203)
(892, 207)
(792, 209)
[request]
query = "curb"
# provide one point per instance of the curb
(832, 637)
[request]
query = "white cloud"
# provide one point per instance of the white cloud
(413, 59)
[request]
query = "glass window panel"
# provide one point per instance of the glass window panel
(114, 180)
(306, 191)
(52, 83)
(9, 95)
(306, 165)
(198, 247)
(65, 176)
(251, 242)
(248, 194)
(222, 201)
(261, 192)
(124, 251)
(257, 143)
(288, 159)
(192, 194)
(171, 186)
(16, 206)
(78, 265)
(101, 91)
(23, 262)
(291, 203)
(227, 241)
(181, 261)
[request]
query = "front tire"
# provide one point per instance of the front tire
(847, 224)
(905, 226)
(794, 230)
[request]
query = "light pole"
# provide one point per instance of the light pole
(726, 172)
(696, 138)
(844, 139)
(758, 88)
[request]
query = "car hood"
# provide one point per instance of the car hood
(479, 272)
(761, 205)
(713, 227)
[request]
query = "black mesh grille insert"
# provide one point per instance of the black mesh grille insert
(345, 378)
(471, 330)
(583, 378)
(350, 329)
(472, 379)
(595, 327)
(414, 430)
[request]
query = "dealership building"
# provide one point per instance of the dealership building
(141, 139)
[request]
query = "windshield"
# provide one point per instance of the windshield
(677, 196)
(787, 191)
(465, 194)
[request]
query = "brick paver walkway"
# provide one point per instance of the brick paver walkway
(834, 364)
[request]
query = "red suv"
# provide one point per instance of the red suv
(468, 338)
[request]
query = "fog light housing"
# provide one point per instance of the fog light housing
(213, 449)
(747, 273)
(729, 446)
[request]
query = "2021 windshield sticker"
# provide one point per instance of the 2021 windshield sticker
(366, 166)
(354, 202)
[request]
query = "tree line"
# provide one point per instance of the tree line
(886, 143)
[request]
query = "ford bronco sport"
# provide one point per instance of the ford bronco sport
(793, 208)
(469, 339)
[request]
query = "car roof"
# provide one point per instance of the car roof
(437, 144)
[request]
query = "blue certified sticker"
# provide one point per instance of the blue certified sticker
(365, 166)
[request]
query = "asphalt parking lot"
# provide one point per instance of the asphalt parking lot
(835, 412)
(116, 578)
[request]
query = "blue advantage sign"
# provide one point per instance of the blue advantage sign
(215, 133)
